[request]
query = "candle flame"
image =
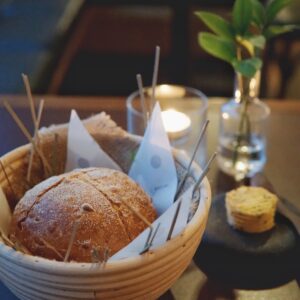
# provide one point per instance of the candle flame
(175, 121)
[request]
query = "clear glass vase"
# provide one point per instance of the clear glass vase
(242, 140)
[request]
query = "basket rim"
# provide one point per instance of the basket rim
(37, 263)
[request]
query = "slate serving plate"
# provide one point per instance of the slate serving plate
(249, 261)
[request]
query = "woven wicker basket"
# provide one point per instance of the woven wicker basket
(143, 277)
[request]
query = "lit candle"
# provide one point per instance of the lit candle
(177, 124)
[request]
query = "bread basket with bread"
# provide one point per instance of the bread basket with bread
(145, 276)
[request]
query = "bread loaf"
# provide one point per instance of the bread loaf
(93, 198)
(251, 209)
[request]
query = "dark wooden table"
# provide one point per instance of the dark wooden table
(282, 168)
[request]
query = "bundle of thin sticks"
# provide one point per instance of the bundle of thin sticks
(33, 139)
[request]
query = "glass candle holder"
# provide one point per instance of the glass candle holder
(184, 112)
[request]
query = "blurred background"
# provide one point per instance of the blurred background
(87, 47)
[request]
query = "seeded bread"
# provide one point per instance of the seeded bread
(45, 217)
(251, 209)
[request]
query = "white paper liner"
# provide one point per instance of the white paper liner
(153, 167)
(82, 150)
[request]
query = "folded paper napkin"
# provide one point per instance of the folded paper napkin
(153, 166)
(82, 150)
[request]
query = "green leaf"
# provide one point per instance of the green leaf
(274, 30)
(258, 13)
(259, 41)
(242, 13)
(217, 46)
(216, 23)
(274, 7)
(247, 67)
(256, 62)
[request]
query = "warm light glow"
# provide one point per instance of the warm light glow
(167, 91)
(237, 94)
(225, 116)
(240, 166)
(176, 123)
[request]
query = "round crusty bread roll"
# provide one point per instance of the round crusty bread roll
(87, 202)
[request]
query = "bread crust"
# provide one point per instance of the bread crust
(45, 217)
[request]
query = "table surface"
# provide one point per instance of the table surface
(282, 168)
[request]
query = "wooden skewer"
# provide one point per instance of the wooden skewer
(12, 170)
(49, 246)
(7, 179)
(21, 248)
(36, 138)
(146, 248)
(5, 239)
(174, 220)
(39, 117)
(154, 234)
(204, 172)
(138, 214)
(150, 239)
(35, 118)
(28, 175)
(29, 95)
(105, 258)
(15, 245)
(18, 121)
(27, 135)
(187, 172)
(154, 78)
(142, 98)
(95, 256)
(71, 242)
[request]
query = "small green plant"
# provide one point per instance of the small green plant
(241, 40)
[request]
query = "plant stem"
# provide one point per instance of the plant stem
(241, 130)
(244, 128)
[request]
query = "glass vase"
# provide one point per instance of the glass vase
(242, 140)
